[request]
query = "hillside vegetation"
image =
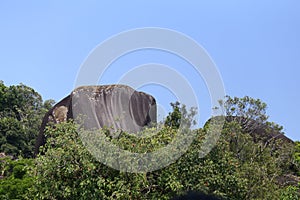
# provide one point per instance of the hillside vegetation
(251, 160)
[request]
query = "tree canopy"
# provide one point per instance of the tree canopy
(21, 112)
(239, 166)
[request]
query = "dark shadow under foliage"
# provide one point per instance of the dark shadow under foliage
(192, 195)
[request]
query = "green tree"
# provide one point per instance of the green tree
(66, 170)
(259, 145)
(15, 181)
(238, 167)
(180, 116)
(290, 193)
(21, 112)
(250, 113)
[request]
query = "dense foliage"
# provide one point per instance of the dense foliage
(232, 170)
(15, 178)
(238, 167)
(21, 112)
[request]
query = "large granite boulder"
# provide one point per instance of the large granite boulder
(116, 107)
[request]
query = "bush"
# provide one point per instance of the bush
(16, 180)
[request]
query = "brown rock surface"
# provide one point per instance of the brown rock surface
(117, 107)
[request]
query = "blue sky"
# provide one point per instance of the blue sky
(254, 44)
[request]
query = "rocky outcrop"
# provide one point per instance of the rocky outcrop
(117, 107)
(258, 130)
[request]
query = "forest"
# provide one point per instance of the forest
(252, 158)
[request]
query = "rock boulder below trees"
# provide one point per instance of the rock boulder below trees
(117, 107)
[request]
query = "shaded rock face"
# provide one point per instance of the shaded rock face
(258, 130)
(116, 107)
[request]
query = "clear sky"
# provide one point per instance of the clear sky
(255, 45)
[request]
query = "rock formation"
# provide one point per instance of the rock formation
(258, 130)
(117, 107)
